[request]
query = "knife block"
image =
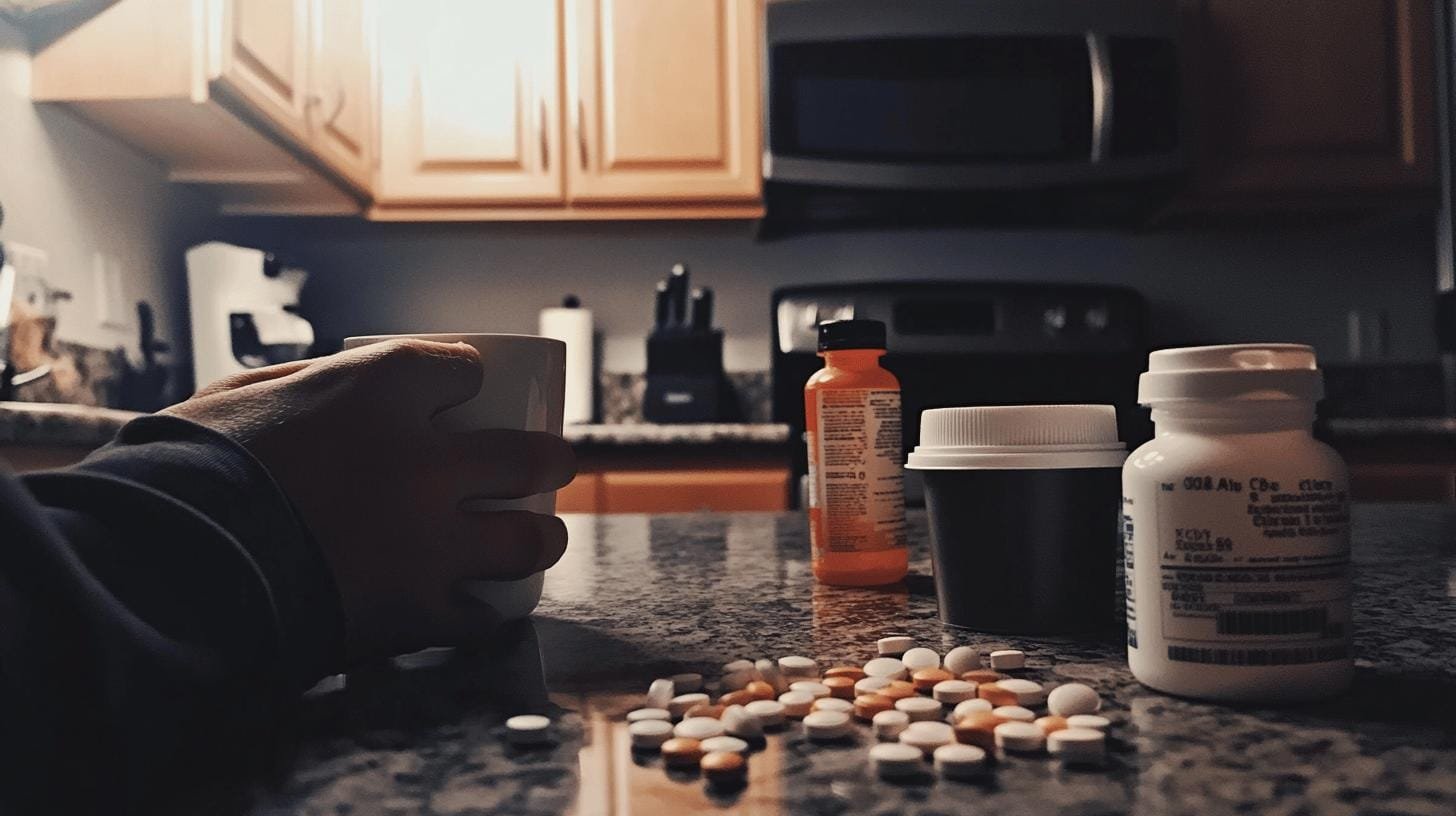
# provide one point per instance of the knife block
(685, 381)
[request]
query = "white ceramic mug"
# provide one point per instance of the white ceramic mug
(523, 390)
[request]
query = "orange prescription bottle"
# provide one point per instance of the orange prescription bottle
(852, 415)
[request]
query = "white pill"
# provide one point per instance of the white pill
(1008, 659)
(888, 667)
(528, 729)
(738, 722)
(894, 760)
(921, 658)
(1078, 746)
(728, 745)
(660, 693)
(734, 681)
(870, 685)
(797, 667)
(769, 671)
(648, 714)
(953, 692)
(956, 761)
(680, 704)
(811, 687)
(889, 724)
(1014, 713)
(927, 736)
(1073, 698)
(796, 703)
(894, 646)
(1028, 692)
(962, 659)
(969, 707)
(827, 725)
(1096, 722)
(687, 682)
(737, 666)
(770, 713)
(833, 704)
(699, 728)
(650, 734)
(919, 709)
(1019, 737)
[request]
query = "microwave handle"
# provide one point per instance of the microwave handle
(1100, 59)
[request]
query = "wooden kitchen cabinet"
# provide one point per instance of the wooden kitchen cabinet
(265, 58)
(340, 107)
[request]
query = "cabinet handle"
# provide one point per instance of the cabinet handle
(545, 140)
(581, 131)
(338, 107)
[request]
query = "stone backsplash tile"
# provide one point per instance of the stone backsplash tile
(620, 396)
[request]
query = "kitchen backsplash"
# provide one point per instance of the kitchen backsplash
(620, 396)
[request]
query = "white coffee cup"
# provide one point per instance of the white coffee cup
(523, 390)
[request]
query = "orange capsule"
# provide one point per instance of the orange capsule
(705, 710)
(760, 690)
(841, 687)
(983, 676)
(925, 679)
(1051, 723)
(682, 752)
(743, 697)
(854, 673)
(978, 729)
(996, 695)
(866, 706)
(897, 690)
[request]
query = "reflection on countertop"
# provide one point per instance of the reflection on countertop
(700, 433)
(638, 597)
(1379, 427)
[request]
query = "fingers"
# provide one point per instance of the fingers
(502, 464)
(254, 375)
(428, 375)
(504, 545)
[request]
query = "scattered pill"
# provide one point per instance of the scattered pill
(682, 752)
(760, 690)
(969, 707)
(738, 666)
(997, 695)
(1020, 737)
(1051, 723)
(732, 745)
(962, 659)
(919, 708)
(1008, 659)
(739, 697)
(769, 671)
(956, 761)
(528, 729)
(733, 681)
(1096, 722)
(832, 704)
(810, 687)
(927, 735)
(796, 703)
(1073, 698)
(895, 760)
(1014, 713)
(827, 725)
(699, 728)
(650, 734)
(898, 689)
(660, 693)
(798, 667)
(870, 685)
(921, 658)
(687, 682)
(889, 724)
(738, 722)
(770, 713)
(1078, 746)
(978, 728)
(894, 645)
(648, 714)
(724, 767)
(925, 679)
(705, 710)
(854, 673)
(866, 706)
(982, 676)
(890, 667)
(679, 705)
(953, 692)
(841, 687)
(1028, 692)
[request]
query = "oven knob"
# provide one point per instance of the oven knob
(1054, 319)
(1097, 319)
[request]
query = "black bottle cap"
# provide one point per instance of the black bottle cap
(835, 335)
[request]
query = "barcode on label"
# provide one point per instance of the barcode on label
(1257, 657)
(1272, 622)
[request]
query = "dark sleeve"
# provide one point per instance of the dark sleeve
(159, 604)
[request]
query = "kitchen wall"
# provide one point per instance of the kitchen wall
(1217, 286)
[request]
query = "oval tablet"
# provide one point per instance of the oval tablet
(1096, 722)
(660, 693)
(832, 704)
(1051, 723)
(705, 710)
(854, 673)
(680, 704)
(1078, 746)
(1028, 692)
(895, 760)
(770, 713)
(739, 697)
(810, 687)
(798, 667)
(1020, 737)
(528, 729)
(921, 658)
(953, 692)
(982, 676)
(898, 689)
(927, 735)
(841, 687)
(687, 682)
(723, 767)
(925, 679)
(866, 706)
(738, 666)
(827, 725)
(760, 690)
(919, 709)
(648, 714)
(1073, 698)
(962, 659)
(956, 761)
(733, 681)
(681, 752)
(769, 671)
(699, 728)
(650, 734)
(979, 729)
(732, 745)
(1014, 713)
(889, 724)
(890, 667)
(739, 723)
(871, 685)
(997, 695)
(894, 646)
(968, 707)
(1007, 659)
(796, 703)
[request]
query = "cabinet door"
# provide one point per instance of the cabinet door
(1310, 96)
(665, 100)
(265, 58)
(469, 102)
(340, 105)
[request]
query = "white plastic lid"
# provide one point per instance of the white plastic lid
(1252, 371)
(1018, 437)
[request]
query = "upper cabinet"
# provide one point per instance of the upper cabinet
(264, 56)
(339, 110)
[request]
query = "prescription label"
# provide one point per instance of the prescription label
(856, 481)
(1253, 569)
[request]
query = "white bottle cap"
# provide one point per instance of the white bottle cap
(1021, 437)
(1254, 371)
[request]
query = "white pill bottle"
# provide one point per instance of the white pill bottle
(1236, 532)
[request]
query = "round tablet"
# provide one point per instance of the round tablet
(956, 761)
(650, 734)
(760, 690)
(953, 692)
(894, 646)
(687, 682)
(798, 667)
(832, 704)
(660, 693)
(738, 666)
(738, 722)
(827, 725)
(898, 689)
(705, 710)
(1096, 722)
(983, 676)
(1028, 692)
(732, 745)
(968, 707)
(810, 687)
(1078, 746)
(796, 703)
(866, 706)
(681, 752)
(925, 679)
(921, 658)
(723, 767)
(733, 681)
(1073, 698)
(699, 728)
(927, 736)
(978, 729)
(895, 760)
(680, 704)
(889, 724)
(1051, 723)
(1020, 737)
(528, 729)
(1008, 659)
(870, 685)
(962, 659)
(997, 695)
(854, 673)
(769, 671)
(770, 713)
(739, 697)
(648, 714)
(1014, 713)
(841, 687)
(919, 709)
(890, 667)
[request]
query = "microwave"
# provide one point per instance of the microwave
(1061, 110)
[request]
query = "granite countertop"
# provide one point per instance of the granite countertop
(51, 423)
(703, 433)
(638, 597)
(1359, 428)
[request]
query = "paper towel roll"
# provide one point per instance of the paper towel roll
(572, 325)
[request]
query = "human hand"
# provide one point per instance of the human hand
(349, 439)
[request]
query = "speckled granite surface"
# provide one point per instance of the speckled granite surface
(25, 423)
(637, 597)
(640, 433)
(1357, 428)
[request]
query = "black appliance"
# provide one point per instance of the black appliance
(685, 379)
(973, 343)
(979, 111)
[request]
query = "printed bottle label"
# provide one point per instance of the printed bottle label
(855, 475)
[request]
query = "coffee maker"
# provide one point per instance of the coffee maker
(244, 306)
